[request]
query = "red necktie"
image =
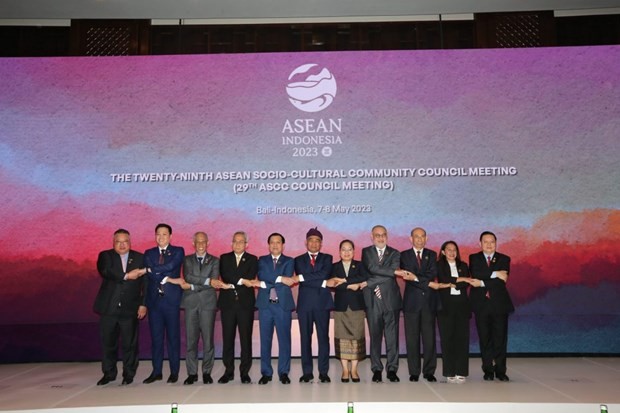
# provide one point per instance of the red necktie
(419, 260)
(488, 261)
(312, 259)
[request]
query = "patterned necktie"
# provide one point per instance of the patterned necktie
(381, 254)
(378, 292)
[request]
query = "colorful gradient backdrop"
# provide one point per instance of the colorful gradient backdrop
(67, 124)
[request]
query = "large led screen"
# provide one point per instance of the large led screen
(520, 142)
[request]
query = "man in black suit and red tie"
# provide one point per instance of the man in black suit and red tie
(420, 306)
(163, 300)
(491, 304)
(238, 270)
(120, 302)
(383, 302)
(314, 303)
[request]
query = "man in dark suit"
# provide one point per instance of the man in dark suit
(383, 302)
(491, 304)
(200, 279)
(238, 270)
(420, 305)
(120, 302)
(163, 301)
(275, 304)
(314, 303)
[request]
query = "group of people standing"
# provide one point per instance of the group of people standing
(436, 292)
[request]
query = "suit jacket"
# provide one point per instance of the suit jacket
(454, 303)
(312, 295)
(417, 294)
(231, 274)
(345, 298)
(382, 274)
(173, 260)
(200, 295)
(268, 275)
(116, 295)
(497, 300)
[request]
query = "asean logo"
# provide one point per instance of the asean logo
(311, 90)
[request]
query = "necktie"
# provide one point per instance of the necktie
(273, 295)
(419, 260)
(161, 256)
(200, 262)
(312, 259)
(381, 256)
(378, 292)
(238, 258)
(488, 261)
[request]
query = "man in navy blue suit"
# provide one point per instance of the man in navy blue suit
(275, 304)
(163, 300)
(314, 303)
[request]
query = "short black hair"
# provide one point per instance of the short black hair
(164, 226)
(121, 231)
(346, 241)
(487, 233)
(276, 234)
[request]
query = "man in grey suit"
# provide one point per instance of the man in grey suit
(383, 302)
(200, 273)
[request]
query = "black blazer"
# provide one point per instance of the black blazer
(453, 304)
(418, 295)
(497, 300)
(114, 289)
(345, 298)
(231, 274)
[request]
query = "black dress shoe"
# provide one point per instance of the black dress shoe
(245, 379)
(413, 377)
(324, 378)
(207, 379)
(430, 378)
(225, 379)
(376, 377)
(393, 377)
(488, 376)
(264, 380)
(284, 379)
(306, 378)
(502, 377)
(355, 379)
(105, 380)
(344, 379)
(152, 378)
(191, 379)
(127, 381)
(173, 378)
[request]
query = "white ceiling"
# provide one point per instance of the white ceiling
(279, 10)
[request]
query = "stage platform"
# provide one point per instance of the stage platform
(549, 385)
